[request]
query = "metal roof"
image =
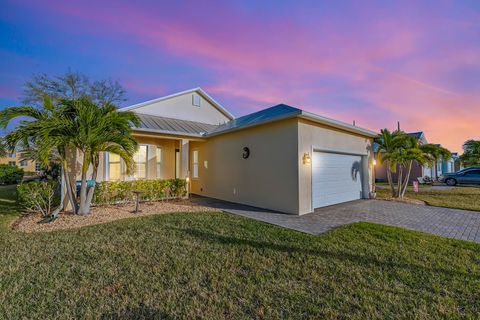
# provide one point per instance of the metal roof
(270, 114)
(283, 111)
(416, 134)
(173, 126)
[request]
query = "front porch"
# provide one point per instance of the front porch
(158, 157)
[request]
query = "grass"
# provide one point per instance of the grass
(467, 198)
(214, 265)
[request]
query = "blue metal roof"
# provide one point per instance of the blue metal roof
(416, 134)
(270, 114)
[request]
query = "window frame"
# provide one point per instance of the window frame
(194, 98)
(195, 165)
(145, 163)
(109, 162)
(159, 162)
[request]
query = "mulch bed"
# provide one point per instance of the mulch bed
(102, 214)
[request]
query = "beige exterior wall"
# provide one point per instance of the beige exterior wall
(273, 177)
(181, 107)
(267, 179)
(313, 136)
(30, 167)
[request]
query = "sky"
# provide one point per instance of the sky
(374, 63)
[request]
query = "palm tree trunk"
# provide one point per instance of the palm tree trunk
(70, 190)
(405, 183)
(436, 170)
(83, 186)
(399, 181)
(389, 178)
(91, 191)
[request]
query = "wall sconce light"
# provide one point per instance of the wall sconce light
(374, 162)
(306, 158)
(187, 179)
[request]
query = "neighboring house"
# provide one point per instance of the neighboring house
(418, 170)
(446, 166)
(15, 159)
(281, 158)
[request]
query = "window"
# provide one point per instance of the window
(12, 155)
(195, 164)
(23, 163)
(113, 166)
(196, 100)
(140, 159)
(38, 167)
(12, 163)
(159, 162)
(473, 173)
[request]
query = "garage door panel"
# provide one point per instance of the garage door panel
(335, 178)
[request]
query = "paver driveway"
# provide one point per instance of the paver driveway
(451, 223)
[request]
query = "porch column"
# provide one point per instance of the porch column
(185, 155)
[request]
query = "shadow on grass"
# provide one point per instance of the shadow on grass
(338, 255)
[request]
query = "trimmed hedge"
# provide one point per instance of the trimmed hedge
(110, 192)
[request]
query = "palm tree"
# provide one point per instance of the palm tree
(435, 152)
(399, 151)
(59, 131)
(100, 128)
(471, 153)
(36, 136)
(388, 144)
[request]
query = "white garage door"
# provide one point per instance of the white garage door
(336, 178)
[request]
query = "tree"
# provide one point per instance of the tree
(471, 153)
(399, 150)
(436, 152)
(74, 125)
(71, 85)
(39, 138)
(100, 128)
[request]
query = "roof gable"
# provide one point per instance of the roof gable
(180, 106)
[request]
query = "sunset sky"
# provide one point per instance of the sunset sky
(373, 62)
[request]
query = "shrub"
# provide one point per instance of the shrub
(10, 174)
(39, 196)
(109, 192)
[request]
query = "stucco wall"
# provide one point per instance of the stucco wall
(267, 179)
(311, 134)
(181, 107)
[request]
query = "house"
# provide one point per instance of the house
(281, 158)
(15, 159)
(418, 170)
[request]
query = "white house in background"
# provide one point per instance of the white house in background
(280, 158)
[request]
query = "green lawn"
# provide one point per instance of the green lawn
(460, 197)
(215, 266)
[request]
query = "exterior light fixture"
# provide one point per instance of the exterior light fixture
(306, 158)
(374, 162)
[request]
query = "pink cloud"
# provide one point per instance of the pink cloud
(393, 66)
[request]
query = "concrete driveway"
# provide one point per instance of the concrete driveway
(451, 223)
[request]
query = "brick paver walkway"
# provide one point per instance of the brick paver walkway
(451, 223)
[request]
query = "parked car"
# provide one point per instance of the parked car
(466, 176)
